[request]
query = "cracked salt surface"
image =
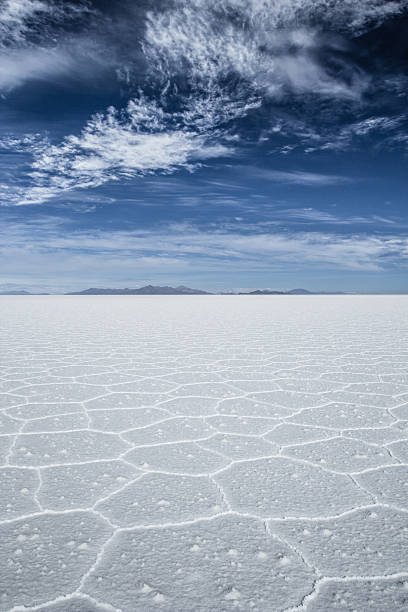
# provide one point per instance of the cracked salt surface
(207, 453)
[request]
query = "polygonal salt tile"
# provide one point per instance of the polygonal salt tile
(72, 604)
(349, 377)
(44, 557)
(5, 445)
(17, 489)
(383, 388)
(8, 425)
(401, 427)
(146, 371)
(42, 380)
(182, 457)
(370, 542)
(341, 454)
(396, 378)
(253, 386)
(227, 563)
(180, 378)
(126, 418)
(176, 429)
(382, 435)
(289, 433)
(235, 364)
(10, 385)
(79, 370)
(108, 378)
(7, 400)
(191, 406)
(145, 385)
(290, 399)
(358, 595)
(62, 422)
(308, 385)
(301, 372)
(235, 374)
(124, 400)
(240, 424)
(61, 392)
(364, 399)
(343, 416)
(389, 485)
(81, 486)
(243, 406)
(21, 373)
(163, 498)
(279, 487)
(401, 412)
(367, 368)
(219, 390)
(235, 446)
(38, 411)
(399, 450)
(67, 447)
(402, 399)
(291, 365)
(109, 362)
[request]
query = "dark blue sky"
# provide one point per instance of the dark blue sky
(214, 143)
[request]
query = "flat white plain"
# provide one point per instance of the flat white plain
(203, 453)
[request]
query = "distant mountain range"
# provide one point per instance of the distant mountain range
(292, 292)
(272, 292)
(155, 290)
(15, 293)
(182, 290)
(147, 290)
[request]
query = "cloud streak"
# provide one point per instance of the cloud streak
(297, 177)
(49, 250)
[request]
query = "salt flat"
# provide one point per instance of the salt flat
(204, 453)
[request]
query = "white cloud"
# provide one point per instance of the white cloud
(261, 42)
(32, 41)
(378, 125)
(15, 18)
(45, 249)
(25, 64)
(139, 141)
(297, 177)
(22, 20)
(319, 216)
(230, 54)
(388, 130)
(272, 44)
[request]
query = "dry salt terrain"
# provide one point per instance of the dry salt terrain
(204, 453)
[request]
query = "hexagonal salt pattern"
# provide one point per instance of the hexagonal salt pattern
(359, 543)
(360, 595)
(229, 563)
(204, 454)
(45, 556)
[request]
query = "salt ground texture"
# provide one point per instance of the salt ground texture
(204, 453)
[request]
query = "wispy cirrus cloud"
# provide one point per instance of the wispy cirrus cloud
(358, 131)
(192, 72)
(139, 141)
(32, 40)
(17, 18)
(271, 47)
(312, 215)
(387, 131)
(298, 177)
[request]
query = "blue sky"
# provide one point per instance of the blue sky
(221, 144)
